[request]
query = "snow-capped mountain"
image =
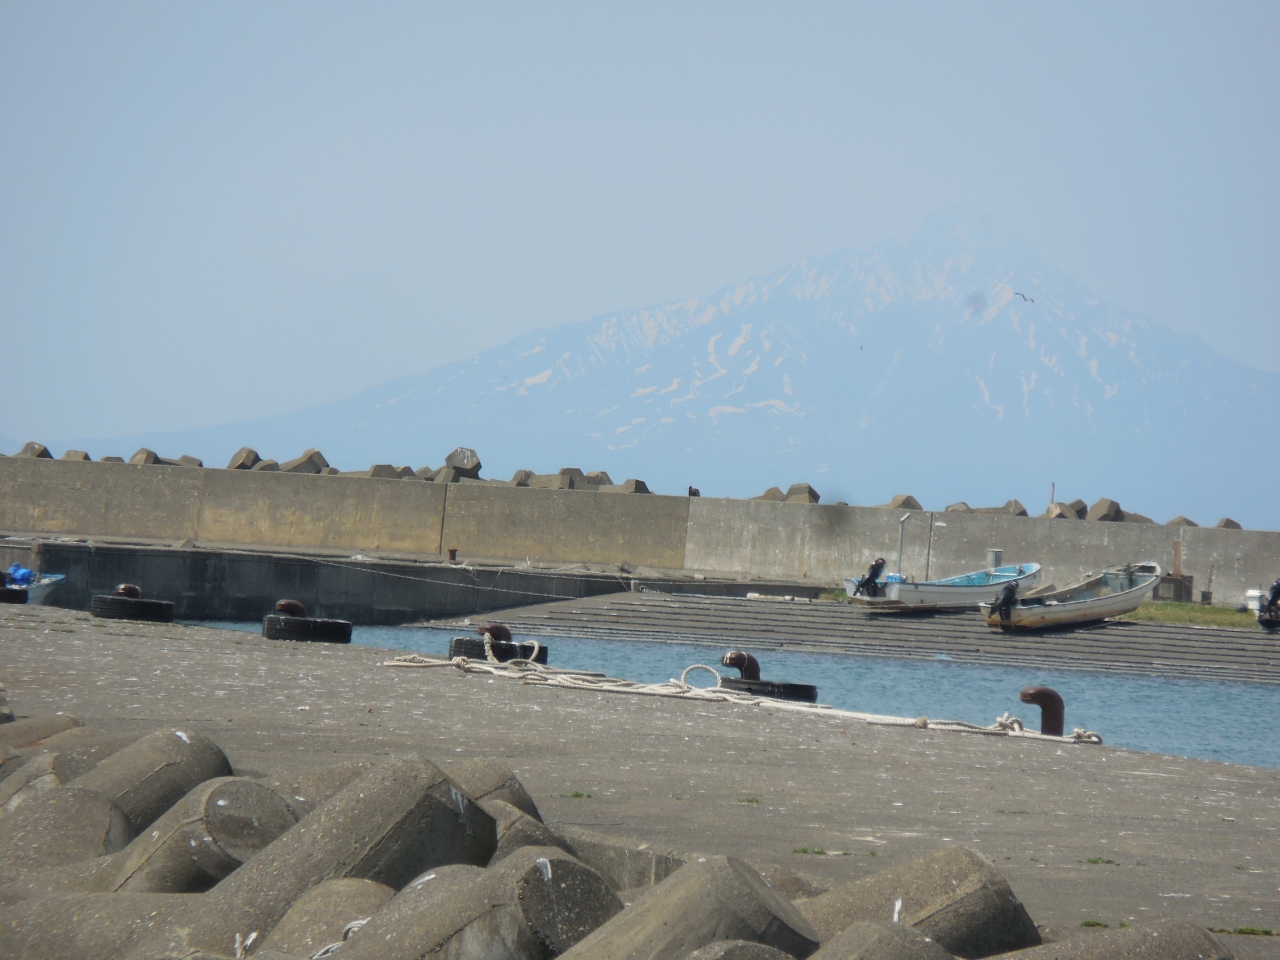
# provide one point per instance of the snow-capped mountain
(956, 366)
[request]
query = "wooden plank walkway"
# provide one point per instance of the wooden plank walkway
(1153, 649)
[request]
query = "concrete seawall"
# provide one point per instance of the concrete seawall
(784, 541)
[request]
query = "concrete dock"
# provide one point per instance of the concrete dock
(1081, 832)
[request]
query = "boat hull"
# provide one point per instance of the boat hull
(1075, 605)
(956, 593)
(38, 591)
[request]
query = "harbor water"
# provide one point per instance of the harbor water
(1229, 722)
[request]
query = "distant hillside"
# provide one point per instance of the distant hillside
(956, 366)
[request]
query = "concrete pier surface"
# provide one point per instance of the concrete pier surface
(1081, 832)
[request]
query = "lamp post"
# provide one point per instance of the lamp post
(902, 523)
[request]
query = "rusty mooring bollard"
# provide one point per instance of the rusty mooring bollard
(1052, 710)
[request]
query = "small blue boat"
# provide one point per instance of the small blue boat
(23, 586)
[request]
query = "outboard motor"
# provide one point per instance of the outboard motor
(867, 586)
(1273, 599)
(1005, 600)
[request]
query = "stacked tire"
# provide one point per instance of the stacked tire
(306, 629)
(503, 650)
(127, 603)
(802, 692)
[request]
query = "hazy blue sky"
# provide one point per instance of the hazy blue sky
(210, 211)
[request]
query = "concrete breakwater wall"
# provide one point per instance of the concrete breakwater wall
(730, 538)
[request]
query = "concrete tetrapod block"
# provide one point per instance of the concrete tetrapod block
(792, 885)
(424, 473)
(773, 494)
(203, 837)
(142, 456)
(87, 926)
(10, 761)
(1163, 940)
(880, 941)
(521, 478)
(959, 507)
(402, 817)
(953, 896)
(266, 466)
(244, 459)
(35, 451)
(153, 773)
(80, 455)
(625, 866)
(465, 462)
(311, 461)
(1181, 521)
(1061, 511)
(629, 485)
(1226, 523)
(1012, 508)
(708, 899)
(802, 493)
(535, 904)
(318, 917)
(738, 950)
(68, 825)
(42, 773)
(6, 711)
(1105, 510)
(484, 778)
(307, 789)
(599, 478)
(517, 829)
(25, 733)
(903, 501)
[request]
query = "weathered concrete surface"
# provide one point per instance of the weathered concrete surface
(1190, 839)
(229, 583)
(797, 541)
(492, 521)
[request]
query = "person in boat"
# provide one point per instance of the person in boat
(869, 586)
(1005, 601)
(1273, 600)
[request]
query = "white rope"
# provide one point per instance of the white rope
(526, 671)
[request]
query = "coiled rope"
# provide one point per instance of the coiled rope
(526, 671)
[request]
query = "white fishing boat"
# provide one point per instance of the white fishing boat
(963, 592)
(1109, 593)
(23, 586)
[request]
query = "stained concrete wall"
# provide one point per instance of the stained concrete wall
(830, 543)
(565, 525)
(785, 541)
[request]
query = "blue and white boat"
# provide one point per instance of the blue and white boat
(963, 592)
(23, 586)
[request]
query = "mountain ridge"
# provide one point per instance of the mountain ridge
(958, 365)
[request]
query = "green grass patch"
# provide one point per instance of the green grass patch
(1195, 614)
(1101, 860)
(837, 595)
(748, 799)
(1245, 931)
(1015, 813)
(1094, 923)
(577, 795)
(818, 851)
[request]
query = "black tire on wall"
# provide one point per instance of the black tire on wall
(803, 692)
(306, 629)
(473, 649)
(12, 595)
(109, 606)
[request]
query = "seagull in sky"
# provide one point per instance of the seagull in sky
(1024, 297)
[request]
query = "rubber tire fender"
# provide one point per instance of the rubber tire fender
(109, 606)
(802, 692)
(306, 629)
(473, 649)
(12, 595)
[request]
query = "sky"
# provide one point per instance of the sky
(211, 212)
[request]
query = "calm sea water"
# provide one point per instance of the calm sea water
(1231, 722)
